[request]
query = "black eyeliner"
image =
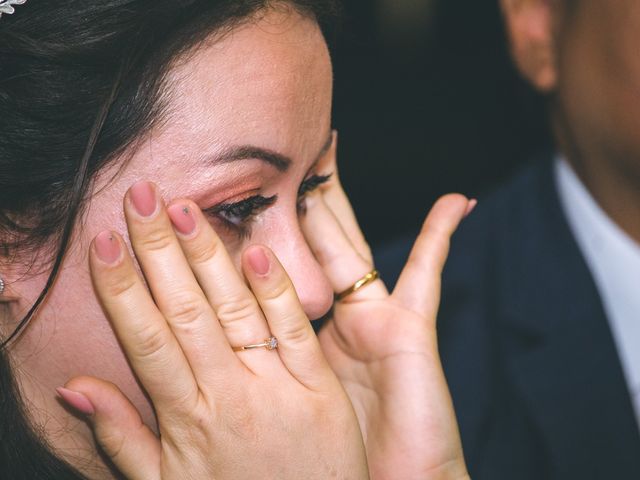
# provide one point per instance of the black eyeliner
(313, 182)
(308, 186)
(244, 210)
(237, 216)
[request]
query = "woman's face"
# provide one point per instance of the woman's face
(248, 128)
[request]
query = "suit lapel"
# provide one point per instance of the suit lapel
(560, 351)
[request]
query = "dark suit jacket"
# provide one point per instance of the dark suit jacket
(531, 363)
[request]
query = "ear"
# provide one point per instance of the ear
(529, 25)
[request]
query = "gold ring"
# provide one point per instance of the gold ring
(270, 343)
(372, 276)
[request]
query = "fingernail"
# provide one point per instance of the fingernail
(143, 197)
(258, 261)
(182, 218)
(470, 207)
(76, 400)
(107, 247)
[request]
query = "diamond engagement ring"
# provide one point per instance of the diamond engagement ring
(270, 343)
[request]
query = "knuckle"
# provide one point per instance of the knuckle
(155, 239)
(295, 332)
(203, 251)
(184, 308)
(186, 413)
(119, 283)
(277, 290)
(197, 417)
(150, 340)
(237, 309)
(112, 442)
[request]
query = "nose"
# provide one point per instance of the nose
(311, 284)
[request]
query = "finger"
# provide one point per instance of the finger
(149, 344)
(418, 287)
(235, 306)
(116, 425)
(297, 343)
(337, 200)
(332, 248)
(174, 287)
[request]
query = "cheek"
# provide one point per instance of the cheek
(69, 337)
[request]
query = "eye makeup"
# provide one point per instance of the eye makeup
(313, 182)
(237, 216)
(308, 186)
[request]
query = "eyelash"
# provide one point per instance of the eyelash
(312, 183)
(237, 216)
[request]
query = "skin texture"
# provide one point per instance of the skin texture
(220, 414)
(584, 54)
(274, 92)
(383, 346)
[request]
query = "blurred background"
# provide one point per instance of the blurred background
(427, 102)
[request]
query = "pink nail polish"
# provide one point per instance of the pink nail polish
(182, 218)
(107, 247)
(76, 400)
(143, 198)
(258, 261)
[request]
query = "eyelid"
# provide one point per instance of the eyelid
(312, 183)
(244, 210)
(255, 203)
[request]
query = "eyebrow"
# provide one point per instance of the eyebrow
(248, 152)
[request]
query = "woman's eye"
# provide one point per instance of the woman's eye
(308, 186)
(236, 215)
(312, 183)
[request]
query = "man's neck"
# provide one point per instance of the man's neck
(612, 182)
(617, 192)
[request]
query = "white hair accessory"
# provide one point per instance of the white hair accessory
(1, 285)
(6, 6)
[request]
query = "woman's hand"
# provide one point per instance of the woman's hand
(221, 414)
(383, 347)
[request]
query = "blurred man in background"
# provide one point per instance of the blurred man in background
(540, 318)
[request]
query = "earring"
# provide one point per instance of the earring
(1, 285)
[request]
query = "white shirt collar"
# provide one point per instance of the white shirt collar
(613, 258)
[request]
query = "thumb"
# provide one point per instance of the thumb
(418, 287)
(118, 429)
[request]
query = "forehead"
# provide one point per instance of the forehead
(266, 83)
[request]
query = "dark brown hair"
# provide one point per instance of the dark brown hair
(80, 82)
